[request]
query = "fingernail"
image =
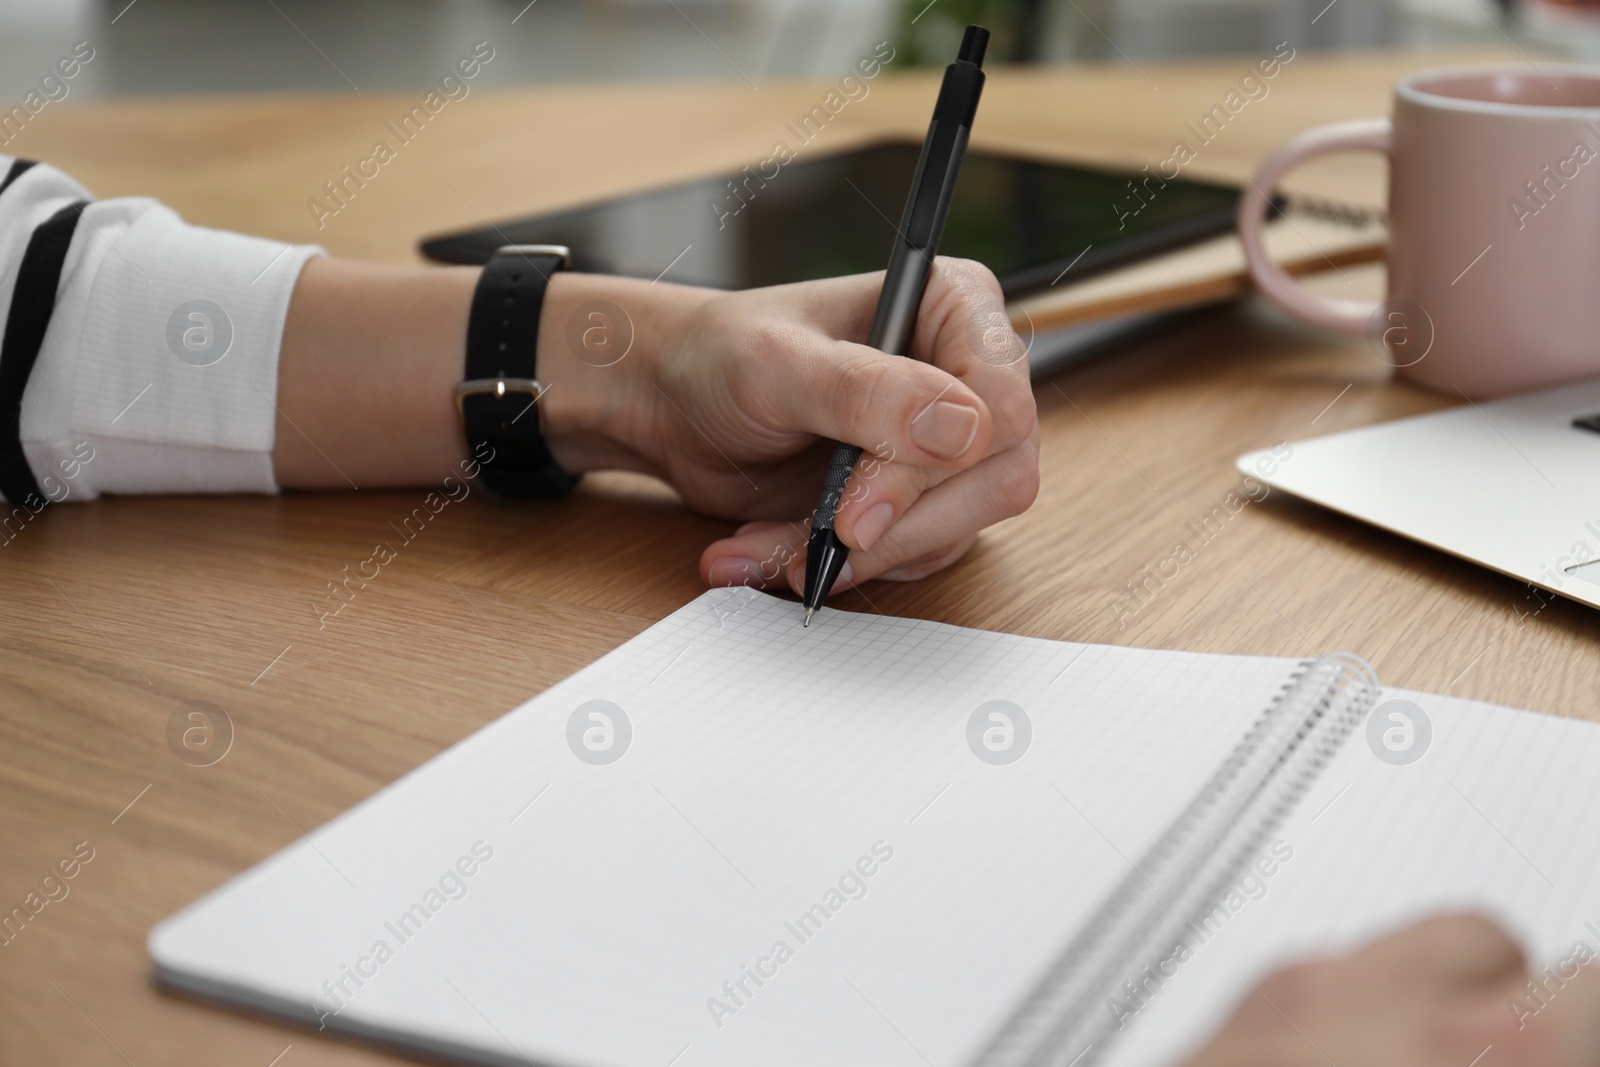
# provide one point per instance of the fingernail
(870, 526)
(735, 570)
(945, 428)
(847, 575)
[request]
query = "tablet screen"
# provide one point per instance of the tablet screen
(815, 217)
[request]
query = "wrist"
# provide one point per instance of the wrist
(600, 340)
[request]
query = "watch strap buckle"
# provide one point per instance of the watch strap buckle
(561, 252)
(499, 388)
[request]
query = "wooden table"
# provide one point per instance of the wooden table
(117, 612)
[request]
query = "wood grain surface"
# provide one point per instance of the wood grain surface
(117, 612)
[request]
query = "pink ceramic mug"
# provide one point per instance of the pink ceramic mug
(1494, 228)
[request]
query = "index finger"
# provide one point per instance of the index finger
(963, 328)
(1447, 951)
(962, 323)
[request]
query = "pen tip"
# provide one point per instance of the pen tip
(806, 622)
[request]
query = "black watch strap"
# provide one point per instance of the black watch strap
(498, 398)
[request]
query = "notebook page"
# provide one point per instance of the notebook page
(1497, 815)
(798, 806)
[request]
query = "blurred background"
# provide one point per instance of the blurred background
(158, 47)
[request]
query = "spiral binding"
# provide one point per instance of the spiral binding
(1352, 216)
(1067, 1021)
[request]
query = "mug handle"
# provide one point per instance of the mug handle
(1343, 316)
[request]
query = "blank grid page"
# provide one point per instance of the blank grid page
(799, 858)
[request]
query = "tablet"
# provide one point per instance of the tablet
(1030, 221)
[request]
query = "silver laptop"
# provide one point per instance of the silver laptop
(1512, 484)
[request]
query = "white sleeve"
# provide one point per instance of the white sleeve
(158, 372)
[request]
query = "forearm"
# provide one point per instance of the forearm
(372, 354)
(369, 358)
(180, 359)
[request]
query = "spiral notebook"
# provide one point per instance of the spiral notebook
(1307, 237)
(1076, 320)
(884, 841)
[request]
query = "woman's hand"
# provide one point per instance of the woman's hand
(734, 399)
(1447, 992)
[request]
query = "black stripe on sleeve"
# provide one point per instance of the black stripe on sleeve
(17, 169)
(32, 303)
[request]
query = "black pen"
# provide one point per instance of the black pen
(916, 243)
